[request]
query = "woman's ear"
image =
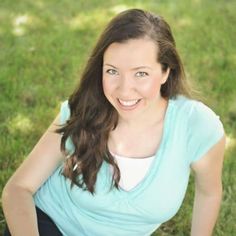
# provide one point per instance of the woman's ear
(165, 75)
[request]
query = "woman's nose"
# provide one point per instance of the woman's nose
(126, 85)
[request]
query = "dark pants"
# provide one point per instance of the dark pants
(45, 224)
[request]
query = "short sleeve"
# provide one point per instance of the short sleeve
(204, 130)
(64, 112)
(64, 116)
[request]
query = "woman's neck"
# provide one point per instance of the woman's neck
(147, 119)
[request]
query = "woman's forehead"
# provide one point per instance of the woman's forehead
(135, 52)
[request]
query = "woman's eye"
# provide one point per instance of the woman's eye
(141, 74)
(112, 72)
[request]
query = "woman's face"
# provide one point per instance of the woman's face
(132, 77)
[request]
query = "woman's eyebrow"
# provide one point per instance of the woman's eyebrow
(142, 67)
(106, 64)
(135, 68)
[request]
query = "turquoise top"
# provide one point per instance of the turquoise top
(190, 130)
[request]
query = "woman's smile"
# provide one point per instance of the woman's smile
(128, 104)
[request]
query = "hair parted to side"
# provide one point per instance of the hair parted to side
(92, 116)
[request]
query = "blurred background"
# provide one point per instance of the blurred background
(44, 45)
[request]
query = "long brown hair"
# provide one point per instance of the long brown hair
(92, 116)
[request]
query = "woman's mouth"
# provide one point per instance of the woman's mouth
(128, 104)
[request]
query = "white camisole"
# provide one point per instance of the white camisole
(132, 170)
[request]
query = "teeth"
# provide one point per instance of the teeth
(128, 103)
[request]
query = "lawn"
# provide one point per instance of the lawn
(44, 46)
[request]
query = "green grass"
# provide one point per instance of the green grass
(45, 44)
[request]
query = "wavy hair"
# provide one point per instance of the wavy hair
(92, 116)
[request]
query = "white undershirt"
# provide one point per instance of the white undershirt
(132, 170)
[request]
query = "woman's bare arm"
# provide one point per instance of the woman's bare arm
(17, 197)
(208, 190)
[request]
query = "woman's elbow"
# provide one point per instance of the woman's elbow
(11, 191)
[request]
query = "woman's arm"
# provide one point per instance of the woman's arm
(208, 190)
(17, 197)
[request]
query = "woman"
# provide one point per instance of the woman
(129, 136)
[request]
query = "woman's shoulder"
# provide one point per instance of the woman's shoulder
(195, 114)
(199, 124)
(191, 107)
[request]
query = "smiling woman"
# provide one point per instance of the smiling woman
(129, 136)
(132, 81)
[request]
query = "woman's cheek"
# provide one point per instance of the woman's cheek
(151, 89)
(108, 87)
